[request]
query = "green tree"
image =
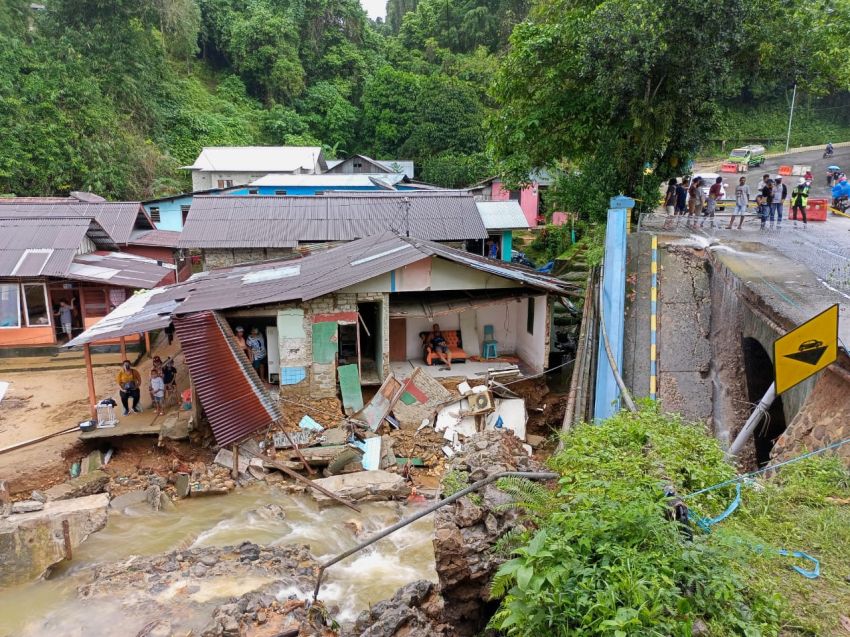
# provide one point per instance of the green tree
(388, 110)
(329, 114)
(606, 86)
(452, 170)
(448, 117)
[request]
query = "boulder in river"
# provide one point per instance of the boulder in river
(32, 542)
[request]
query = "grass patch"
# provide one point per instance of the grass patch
(603, 558)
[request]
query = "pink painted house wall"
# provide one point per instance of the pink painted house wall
(529, 199)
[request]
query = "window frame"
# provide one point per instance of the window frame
(280, 193)
(26, 309)
(529, 315)
(17, 289)
(155, 214)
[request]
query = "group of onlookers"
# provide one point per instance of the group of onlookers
(689, 198)
(161, 385)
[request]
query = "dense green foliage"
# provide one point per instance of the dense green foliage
(623, 93)
(115, 96)
(602, 558)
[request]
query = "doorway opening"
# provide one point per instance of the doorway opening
(759, 370)
(360, 343)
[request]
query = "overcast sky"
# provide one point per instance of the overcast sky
(375, 8)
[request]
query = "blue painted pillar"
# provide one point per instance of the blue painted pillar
(507, 245)
(607, 402)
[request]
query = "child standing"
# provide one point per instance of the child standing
(157, 391)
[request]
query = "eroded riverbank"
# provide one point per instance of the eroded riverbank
(53, 606)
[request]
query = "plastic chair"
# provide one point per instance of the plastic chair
(491, 345)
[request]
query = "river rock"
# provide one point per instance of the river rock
(27, 506)
(127, 499)
(89, 484)
(415, 609)
(32, 542)
(153, 497)
(363, 486)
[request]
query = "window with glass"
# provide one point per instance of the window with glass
(10, 305)
(36, 308)
(155, 214)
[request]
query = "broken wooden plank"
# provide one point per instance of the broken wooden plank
(310, 483)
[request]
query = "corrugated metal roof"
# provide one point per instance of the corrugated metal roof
(282, 222)
(44, 247)
(118, 218)
(327, 180)
(155, 238)
(258, 159)
(232, 395)
(119, 268)
(502, 215)
(317, 274)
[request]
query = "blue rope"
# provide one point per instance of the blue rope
(706, 523)
(740, 478)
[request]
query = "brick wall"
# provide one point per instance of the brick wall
(321, 379)
(226, 257)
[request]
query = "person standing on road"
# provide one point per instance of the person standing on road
(742, 200)
(65, 318)
(780, 194)
(682, 196)
(129, 383)
(799, 199)
(696, 200)
(670, 198)
(764, 197)
(714, 194)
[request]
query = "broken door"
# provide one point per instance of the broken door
(398, 339)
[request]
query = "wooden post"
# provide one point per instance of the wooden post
(90, 378)
(123, 349)
(148, 344)
(235, 471)
(66, 536)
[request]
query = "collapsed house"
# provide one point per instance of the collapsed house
(345, 317)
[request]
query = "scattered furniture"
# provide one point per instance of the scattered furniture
(491, 345)
(453, 342)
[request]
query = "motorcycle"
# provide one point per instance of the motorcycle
(521, 259)
(828, 153)
(842, 204)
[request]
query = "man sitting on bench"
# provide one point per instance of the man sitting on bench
(439, 346)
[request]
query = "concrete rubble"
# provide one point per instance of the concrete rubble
(363, 486)
(43, 534)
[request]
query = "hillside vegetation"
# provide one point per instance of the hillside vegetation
(114, 96)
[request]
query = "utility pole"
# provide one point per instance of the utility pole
(790, 118)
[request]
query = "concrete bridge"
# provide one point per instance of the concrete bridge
(722, 302)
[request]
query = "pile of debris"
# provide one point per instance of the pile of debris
(409, 429)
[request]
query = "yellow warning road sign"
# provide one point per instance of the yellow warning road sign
(806, 350)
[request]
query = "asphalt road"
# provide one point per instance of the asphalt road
(812, 158)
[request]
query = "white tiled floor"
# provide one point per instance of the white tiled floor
(470, 369)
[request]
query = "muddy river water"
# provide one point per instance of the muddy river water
(50, 606)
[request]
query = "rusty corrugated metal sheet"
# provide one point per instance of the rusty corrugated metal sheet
(231, 394)
(282, 222)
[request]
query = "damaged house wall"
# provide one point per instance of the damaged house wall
(530, 347)
(304, 371)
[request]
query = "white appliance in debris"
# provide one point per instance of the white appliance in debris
(273, 353)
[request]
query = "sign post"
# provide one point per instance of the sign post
(802, 352)
(806, 350)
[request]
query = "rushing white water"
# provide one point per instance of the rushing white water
(363, 579)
